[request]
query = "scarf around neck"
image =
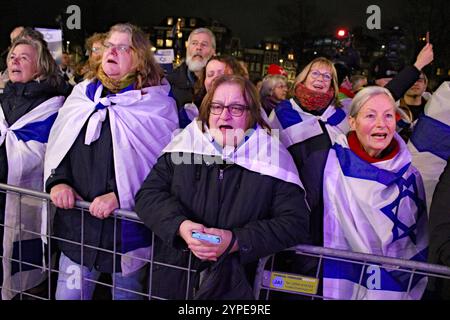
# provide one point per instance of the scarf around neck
(115, 85)
(312, 100)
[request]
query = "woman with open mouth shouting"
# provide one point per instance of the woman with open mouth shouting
(226, 176)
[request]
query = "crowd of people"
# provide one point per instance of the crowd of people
(327, 160)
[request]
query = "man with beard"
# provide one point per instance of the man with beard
(201, 46)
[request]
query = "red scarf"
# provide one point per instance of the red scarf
(347, 92)
(313, 100)
(356, 147)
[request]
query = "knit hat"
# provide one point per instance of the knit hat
(276, 69)
(383, 68)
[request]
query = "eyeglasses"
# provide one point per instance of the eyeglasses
(96, 49)
(325, 76)
(236, 110)
(119, 47)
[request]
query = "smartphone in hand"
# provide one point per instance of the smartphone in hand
(211, 238)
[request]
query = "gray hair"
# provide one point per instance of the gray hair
(368, 93)
(269, 83)
(204, 30)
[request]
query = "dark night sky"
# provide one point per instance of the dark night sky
(251, 20)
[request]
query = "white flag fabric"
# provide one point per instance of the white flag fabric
(259, 152)
(296, 125)
(25, 142)
(142, 123)
(379, 209)
(430, 142)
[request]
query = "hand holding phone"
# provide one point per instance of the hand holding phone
(211, 238)
(428, 37)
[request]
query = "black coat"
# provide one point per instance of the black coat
(310, 157)
(89, 169)
(266, 215)
(404, 80)
(16, 100)
(182, 87)
(440, 232)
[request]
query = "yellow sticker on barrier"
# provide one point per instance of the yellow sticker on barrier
(295, 283)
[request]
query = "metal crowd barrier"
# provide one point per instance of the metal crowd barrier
(51, 267)
(270, 280)
(265, 284)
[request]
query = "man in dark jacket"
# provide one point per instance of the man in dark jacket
(200, 48)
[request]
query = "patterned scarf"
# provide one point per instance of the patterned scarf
(115, 85)
(312, 100)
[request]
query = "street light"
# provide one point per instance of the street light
(342, 33)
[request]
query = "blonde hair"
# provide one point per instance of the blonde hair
(301, 78)
(45, 64)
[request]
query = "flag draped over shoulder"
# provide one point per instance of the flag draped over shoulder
(259, 152)
(297, 125)
(430, 142)
(377, 209)
(142, 123)
(25, 143)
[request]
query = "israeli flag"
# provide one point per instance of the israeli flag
(297, 125)
(377, 209)
(25, 142)
(142, 123)
(430, 142)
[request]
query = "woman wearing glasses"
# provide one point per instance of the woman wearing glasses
(106, 138)
(306, 123)
(226, 177)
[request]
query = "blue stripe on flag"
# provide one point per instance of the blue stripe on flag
(433, 136)
(389, 280)
(354, 166)
(134, 236)
(37, 131)
(286, 115)
(337, 117)
(183, 118)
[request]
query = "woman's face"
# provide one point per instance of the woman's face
(280, 91)
(97, 51)
(375, 124)
(319, 78)
(22, 64)
(117, 58)
(214, 68)
(228, 127)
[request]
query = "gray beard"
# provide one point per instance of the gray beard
(195, 66)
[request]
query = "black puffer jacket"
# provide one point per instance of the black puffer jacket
(266, 215)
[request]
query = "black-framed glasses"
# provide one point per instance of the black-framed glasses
(236, 110)
(325, 76)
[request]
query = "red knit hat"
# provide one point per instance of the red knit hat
(276, 69)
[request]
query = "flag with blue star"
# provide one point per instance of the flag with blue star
(430, 141)
(375, 208)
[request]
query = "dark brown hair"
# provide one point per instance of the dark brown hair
(249, 93)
